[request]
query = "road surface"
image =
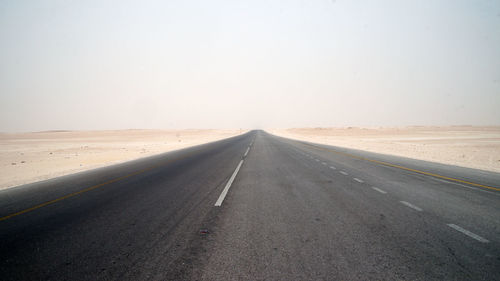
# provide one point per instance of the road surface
(256, 207)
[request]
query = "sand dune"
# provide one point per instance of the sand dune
(466, 146)
(31, 157)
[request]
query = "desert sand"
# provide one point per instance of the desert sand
(466, 146)
(32, 157)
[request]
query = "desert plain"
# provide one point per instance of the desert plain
(35, 156)
(465, 146)
(31, 157)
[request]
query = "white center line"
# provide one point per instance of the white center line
(379, 190)
(246, 153)
(468, 233)
(333, 168)
(411, 206)
(358, 180)
(317, 160)
(323, 163)
(228, 185)
(344, 173)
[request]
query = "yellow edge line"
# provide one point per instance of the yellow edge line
(408, 169)
(72, 194)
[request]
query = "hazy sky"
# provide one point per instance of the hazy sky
(253, 64)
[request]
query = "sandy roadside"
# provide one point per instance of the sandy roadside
(32, 157)
(466, 146)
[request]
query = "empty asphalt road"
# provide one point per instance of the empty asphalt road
(256, 207)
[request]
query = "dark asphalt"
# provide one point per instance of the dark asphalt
(290, 214)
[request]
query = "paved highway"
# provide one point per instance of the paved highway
(256, 207)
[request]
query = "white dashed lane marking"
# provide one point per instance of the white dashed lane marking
(228, 185)
(379, 190)
(358, 180)
(344, 173)
(410, 205)
(468, 233)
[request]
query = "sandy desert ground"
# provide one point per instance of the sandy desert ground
(466, 146)
(31, 157)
